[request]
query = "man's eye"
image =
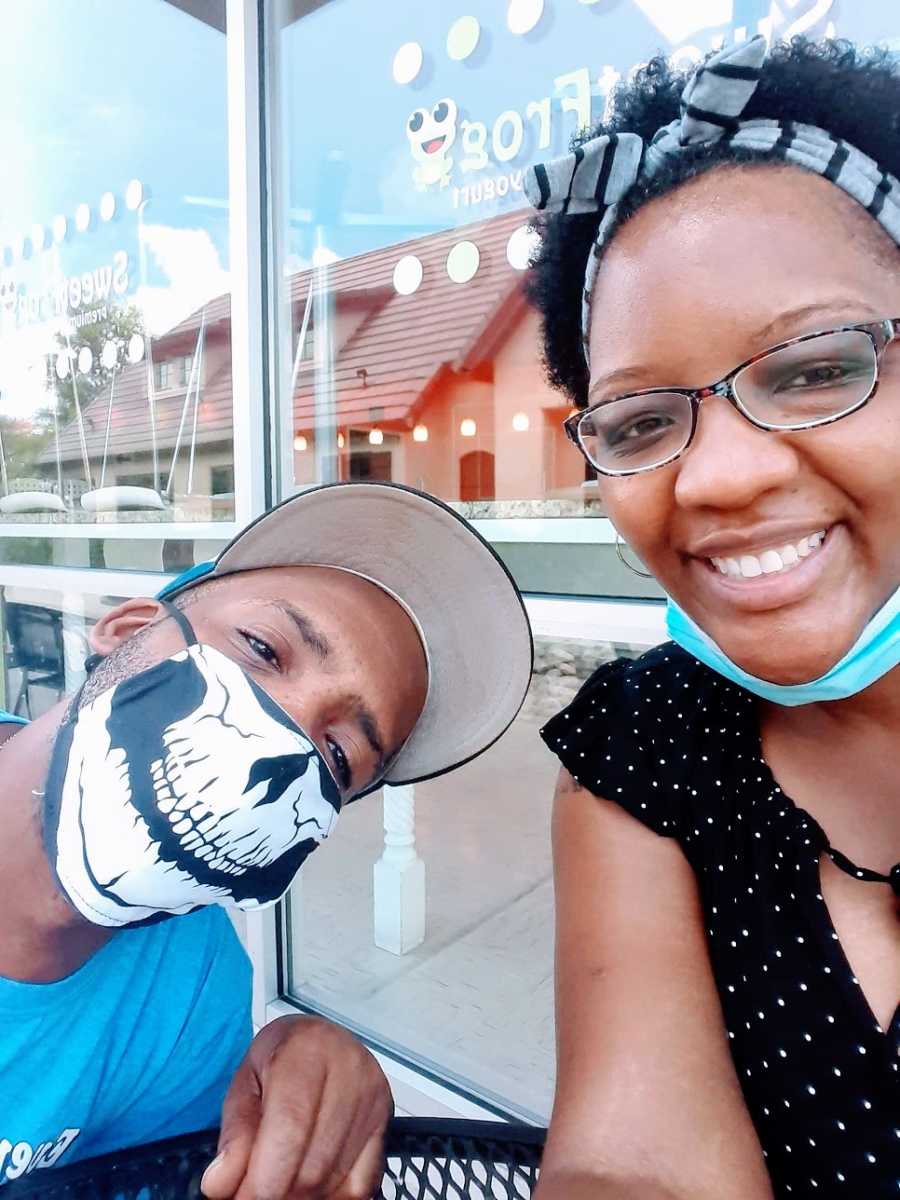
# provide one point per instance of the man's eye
(260, 648)
(341, 765)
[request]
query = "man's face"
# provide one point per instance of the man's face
(338, 654)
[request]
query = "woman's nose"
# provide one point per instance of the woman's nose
(730, 463)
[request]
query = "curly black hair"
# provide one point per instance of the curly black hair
(852, 93)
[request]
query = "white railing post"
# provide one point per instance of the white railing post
(399, 876)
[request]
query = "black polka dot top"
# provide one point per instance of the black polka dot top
(678, 747)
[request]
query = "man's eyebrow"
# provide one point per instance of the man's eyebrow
(369, 726)
(313, 637)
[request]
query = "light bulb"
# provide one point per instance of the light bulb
(420, 433)
(300, 443)
(376, 437)
(341, 441)
(521, 423)
(468, 428)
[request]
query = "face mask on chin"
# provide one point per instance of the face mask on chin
(875, 652)
(181, 786)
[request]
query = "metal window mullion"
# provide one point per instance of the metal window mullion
(248, 257)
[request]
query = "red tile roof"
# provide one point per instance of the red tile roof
(404, 344)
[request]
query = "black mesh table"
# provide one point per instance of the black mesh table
(426, 1160)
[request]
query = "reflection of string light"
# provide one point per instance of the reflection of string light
(420, 433)
(82, 217)
(468, 428)
(38, 237)
(341, 441)
(107, 206)
(60, 228)
(376, 437)
(521, 423)
(300, 443)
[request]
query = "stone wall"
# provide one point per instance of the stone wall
(561, 665)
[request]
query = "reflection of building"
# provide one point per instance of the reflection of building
(440, 388)
(147, 424)
(458, 363)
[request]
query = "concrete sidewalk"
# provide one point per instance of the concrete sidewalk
(475, 999)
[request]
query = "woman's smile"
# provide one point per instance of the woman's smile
(775, 573)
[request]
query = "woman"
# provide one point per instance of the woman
(728, 976)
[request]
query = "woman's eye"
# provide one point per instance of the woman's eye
(260, 648)
(819, 375)
(341, 765)
(638, 427)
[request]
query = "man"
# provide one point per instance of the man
(356, 634)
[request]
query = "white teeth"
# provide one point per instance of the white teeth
(165, 803)
(182, 827)
(769, 562)
(193, 840)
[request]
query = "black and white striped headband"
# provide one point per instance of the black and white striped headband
(598, 174)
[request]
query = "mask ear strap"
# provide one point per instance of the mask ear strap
(187, 629)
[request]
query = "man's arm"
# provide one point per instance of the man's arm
(304, 1118)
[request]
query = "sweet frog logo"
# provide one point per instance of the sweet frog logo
(431, 136)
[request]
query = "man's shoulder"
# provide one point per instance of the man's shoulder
(194, 947)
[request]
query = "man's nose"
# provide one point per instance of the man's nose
(730, 463)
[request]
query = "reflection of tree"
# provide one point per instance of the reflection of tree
(23, 444)
(120, 325)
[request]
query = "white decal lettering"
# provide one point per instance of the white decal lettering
(541, 110)
(102, 282)
(474, 139)
(507, 147)
(580, 103)
(120, 272)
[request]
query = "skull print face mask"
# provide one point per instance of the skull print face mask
(181, 786)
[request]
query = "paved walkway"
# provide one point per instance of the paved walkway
(476, 998)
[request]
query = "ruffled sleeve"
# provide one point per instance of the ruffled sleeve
(630, 736)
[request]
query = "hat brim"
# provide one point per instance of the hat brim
(468, 608)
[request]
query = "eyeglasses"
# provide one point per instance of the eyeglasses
(799, 384)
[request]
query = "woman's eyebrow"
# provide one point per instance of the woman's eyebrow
(619, 379)
(834, 308)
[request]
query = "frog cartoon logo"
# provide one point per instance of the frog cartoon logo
(431, 137)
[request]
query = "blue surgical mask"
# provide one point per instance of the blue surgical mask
(875, 652)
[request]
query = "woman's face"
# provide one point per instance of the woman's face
(695, 283)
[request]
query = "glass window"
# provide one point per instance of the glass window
(114, 264)
(473, 1001)
(163, 375)
(407, 351)
(44, 642)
